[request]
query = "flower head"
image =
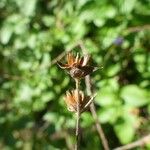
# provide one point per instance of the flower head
(77, 66)
(71, 100)
(118, 41)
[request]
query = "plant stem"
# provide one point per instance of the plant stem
(95, 117)
(141, 142)
(92, 106)
(78, 117)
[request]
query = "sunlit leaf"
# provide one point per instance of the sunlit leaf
(134, 95)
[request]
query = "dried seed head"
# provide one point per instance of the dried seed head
(71, 100)
(80, 72)
(77, 67)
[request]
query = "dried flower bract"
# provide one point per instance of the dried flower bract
(77, 66)
(71, 100)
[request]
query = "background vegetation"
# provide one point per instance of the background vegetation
(116, 33)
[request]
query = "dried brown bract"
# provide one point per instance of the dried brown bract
(77, 66)
(71, 100)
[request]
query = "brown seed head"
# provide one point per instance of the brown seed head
(71, 100)
(77, 67)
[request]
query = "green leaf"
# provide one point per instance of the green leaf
(105, 97)
(147, 146)
(87, 120)
(47, 96)
(140, 61)
(25, 92)
(125, 131)
(108, 114)
(134, 95)
(78, 25)
(91, 46)
(6, 33)
(51, 117)
(27, 7)
(126, 6)
(94, 12)
(113, 70)
(48, 20)
(38, 105)
(126, 125)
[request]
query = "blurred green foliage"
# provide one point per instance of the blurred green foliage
(116, 33)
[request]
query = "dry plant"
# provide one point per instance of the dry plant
(76, 100)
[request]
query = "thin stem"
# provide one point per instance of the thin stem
(138, 143)
(92, 106)
(78, 117)
(95, 117)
